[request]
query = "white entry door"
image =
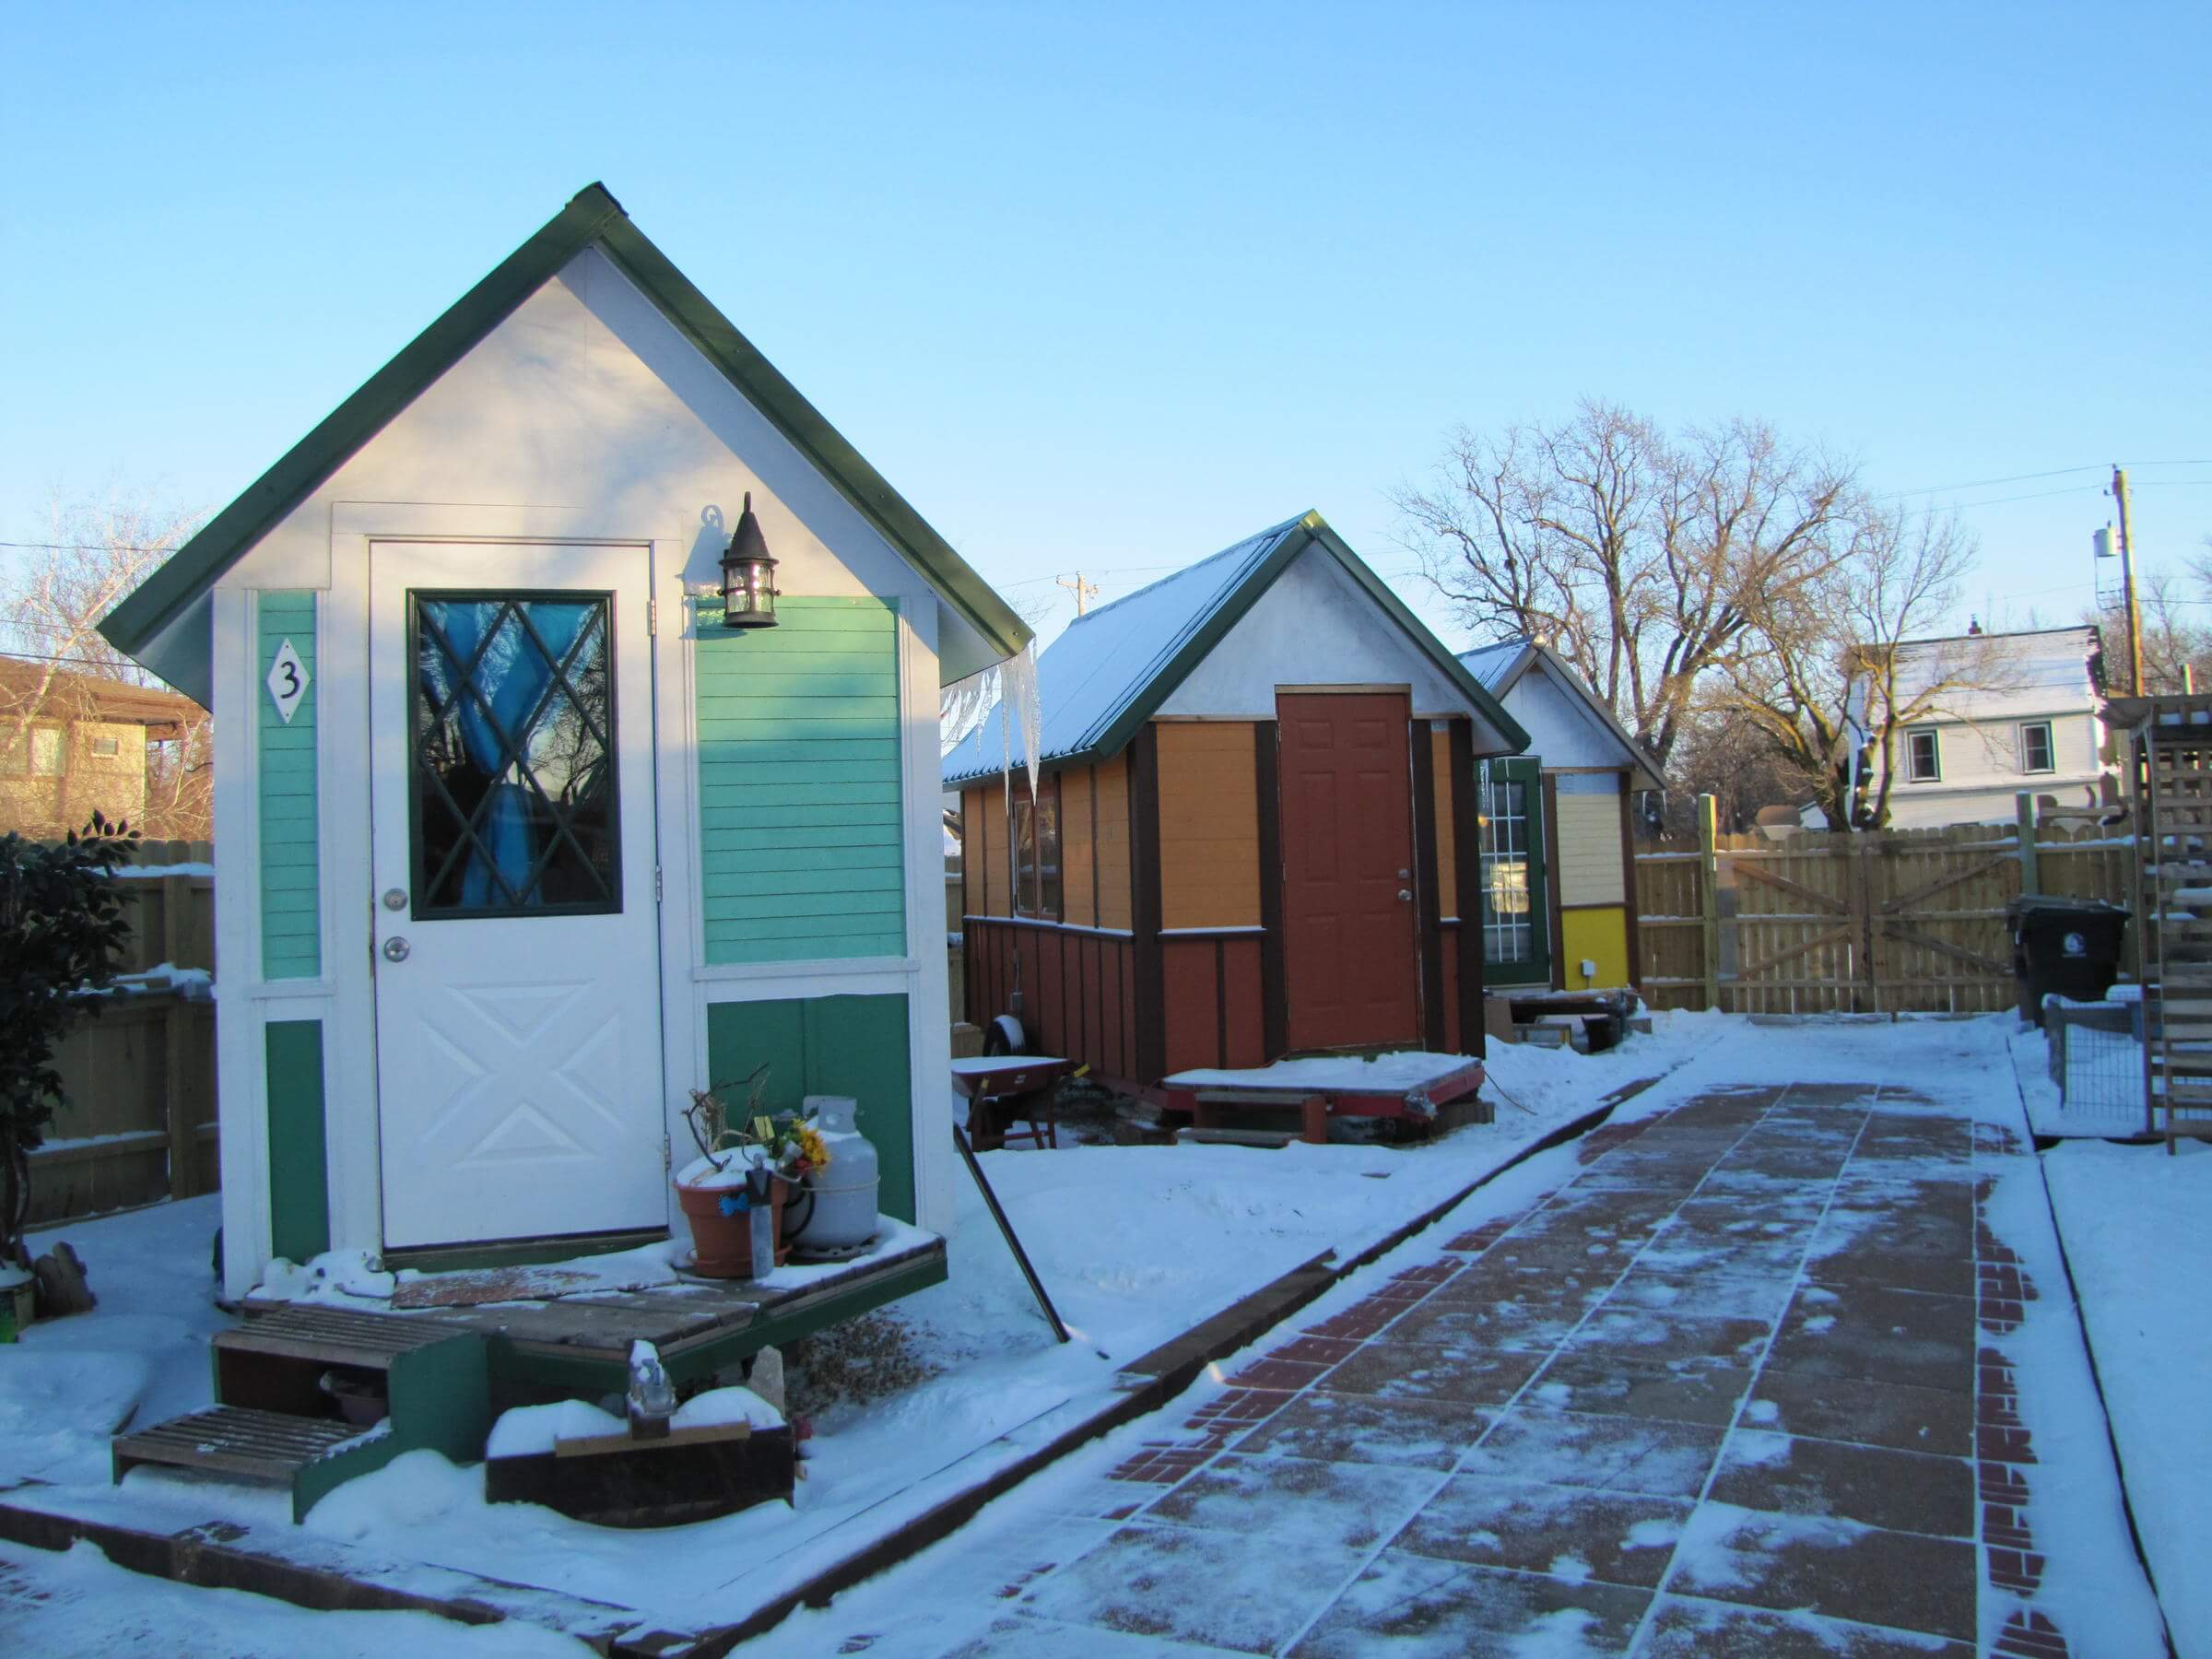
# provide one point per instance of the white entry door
(516, 937)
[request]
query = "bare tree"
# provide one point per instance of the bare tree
(95, 552)
(1826, 679)
(1643, 559)
(1734, 761)
(2173, 640)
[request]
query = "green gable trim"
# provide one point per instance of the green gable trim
(833, 1045)
(298, 1163)
(592, 216)
(291, 899)
(801, 816)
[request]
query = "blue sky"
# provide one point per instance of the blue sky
(1108, 288)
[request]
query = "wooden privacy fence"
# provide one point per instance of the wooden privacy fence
(139, 1121)
(1892, 921)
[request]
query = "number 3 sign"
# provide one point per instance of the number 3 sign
(288, 681)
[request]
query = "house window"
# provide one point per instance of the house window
(106, 748)
(1508, 828)
(38, 753)
(1035, 843)
(2036, 755)
(1923, 759)
(513, 764)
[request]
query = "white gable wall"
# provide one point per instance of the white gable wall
(1315, 625)
(1561, 730)
(587, 400)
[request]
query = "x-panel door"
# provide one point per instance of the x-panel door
(515, 931)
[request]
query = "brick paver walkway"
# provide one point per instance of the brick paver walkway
(1734, 1386)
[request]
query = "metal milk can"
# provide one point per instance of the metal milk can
(844, 1194)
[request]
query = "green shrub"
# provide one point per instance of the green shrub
(61, 929)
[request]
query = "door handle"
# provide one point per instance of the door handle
(395, 949)
(1406, 895)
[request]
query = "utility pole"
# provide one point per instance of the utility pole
(1085, 589)
(2127, 578)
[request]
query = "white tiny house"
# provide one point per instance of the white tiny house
(517, 842)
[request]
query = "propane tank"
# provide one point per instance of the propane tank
(844, 1194)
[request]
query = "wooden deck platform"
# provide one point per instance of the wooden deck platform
(700, 1325)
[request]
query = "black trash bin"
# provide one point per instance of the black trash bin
(2070, 947)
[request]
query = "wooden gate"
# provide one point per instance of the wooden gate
(1899, 921)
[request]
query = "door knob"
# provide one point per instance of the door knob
(1406, 895)
(395, 949)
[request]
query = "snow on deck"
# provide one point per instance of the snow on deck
(1405, 1071)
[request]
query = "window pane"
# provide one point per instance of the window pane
(515, 806)
(46, 751)
(1507, 934)
(1048, 848)
(2036, 742)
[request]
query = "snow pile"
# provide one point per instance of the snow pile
(718, 1407)
(78, 1605)
(533, 1430)
(138, 1358)
(2138, 1224)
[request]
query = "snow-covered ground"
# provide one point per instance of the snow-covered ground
(1136, 1245)
(2137, 1226)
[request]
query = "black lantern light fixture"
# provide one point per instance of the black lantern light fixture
(749, 575)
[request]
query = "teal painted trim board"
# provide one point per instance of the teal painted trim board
(299, 1158)
(291, 886)
(802, 835)
(834, 1045)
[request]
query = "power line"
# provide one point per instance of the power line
(1987, 483)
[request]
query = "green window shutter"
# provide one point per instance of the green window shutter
(801, 810)
(834, 1045)
(291, 906)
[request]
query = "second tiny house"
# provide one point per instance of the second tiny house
(1254, 830)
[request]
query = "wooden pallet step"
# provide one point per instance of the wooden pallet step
(335, 1335)
(234, 1441)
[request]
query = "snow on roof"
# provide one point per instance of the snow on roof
(2004, 675)
(1104, 659)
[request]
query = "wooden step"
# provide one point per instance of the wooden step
(268, 1447)
(334, 1336)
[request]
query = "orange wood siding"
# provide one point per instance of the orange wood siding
(1116, 904)
(1447, 872)
(991, 843)
(971, 852)
(1076, 855)
(1209, 839)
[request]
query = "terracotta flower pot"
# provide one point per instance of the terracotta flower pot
(722, 1246)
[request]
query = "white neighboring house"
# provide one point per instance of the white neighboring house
(2037, 727)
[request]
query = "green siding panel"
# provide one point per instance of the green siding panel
(292, 888)
(801, 832)
(299, 1161)
(833, 1045)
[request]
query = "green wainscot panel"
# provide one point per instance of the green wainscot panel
(833, 1045)
(801, 828)
(298, 1160)
(291, 898)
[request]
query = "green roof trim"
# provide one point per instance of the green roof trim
(592, 216)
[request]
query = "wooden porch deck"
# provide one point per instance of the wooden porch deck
(700, 1326)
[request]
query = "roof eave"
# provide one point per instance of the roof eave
(593, 216)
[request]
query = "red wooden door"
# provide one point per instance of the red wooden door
(1350, 956)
